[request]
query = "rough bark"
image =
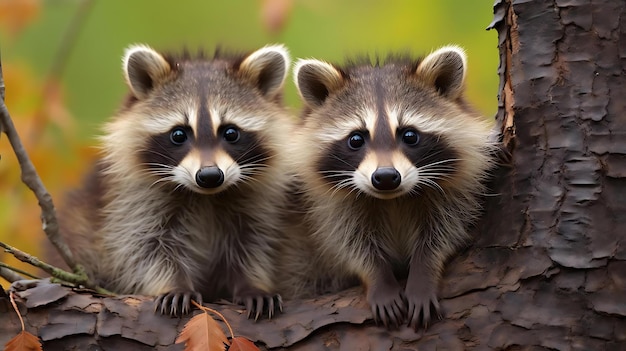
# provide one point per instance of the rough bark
(548, 267)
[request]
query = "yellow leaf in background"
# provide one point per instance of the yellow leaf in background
(53, 107)
(24, 341)
(202, 333)
(22, 87)
(16, 14)
(45, 127)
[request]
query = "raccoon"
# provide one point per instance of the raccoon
(392, 161)
(186, 199)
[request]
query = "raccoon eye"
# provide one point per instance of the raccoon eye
(231, 135)
(178, 136)
(410, 137)
(355, 141)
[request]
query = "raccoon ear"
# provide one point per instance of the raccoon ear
(144, 68)
(267, 69)
(316, 80)
(445, 70)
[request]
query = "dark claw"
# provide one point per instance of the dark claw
(174, 307)
(249, 306)
(176, 300)
(419, 310)
(270, 308)
(157, 303)
(186, 303)
(388, 306)
(279, 301)
(390, 315)
(257, 305)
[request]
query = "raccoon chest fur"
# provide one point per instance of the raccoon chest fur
(367, 230)
(399, 229)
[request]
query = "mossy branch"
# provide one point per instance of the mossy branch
(78, 278)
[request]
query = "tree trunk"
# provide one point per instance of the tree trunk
(548, 267)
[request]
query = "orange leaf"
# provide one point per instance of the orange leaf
(242, 344)
(24, 341)
(202, 333)
(275, 13)
(16, 14)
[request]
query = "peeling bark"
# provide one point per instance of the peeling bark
(548, 267)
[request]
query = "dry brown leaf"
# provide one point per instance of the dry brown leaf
(24, 341)
(242, 344)
(202, 333)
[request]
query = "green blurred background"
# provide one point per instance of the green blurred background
(62, 65)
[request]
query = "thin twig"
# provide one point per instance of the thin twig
(32, 260)
(5, 268)
(17, 310)
(76, 278)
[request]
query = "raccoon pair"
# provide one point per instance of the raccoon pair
(207, 188)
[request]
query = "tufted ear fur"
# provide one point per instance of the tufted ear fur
(316, 80)
(144, 68)
(444, 69)
(267, 69)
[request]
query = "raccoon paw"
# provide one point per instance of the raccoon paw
(176, 300)
(421, 302)
(388, 305)
(259, 303)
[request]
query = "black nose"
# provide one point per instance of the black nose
(386, 178)
(210, 177)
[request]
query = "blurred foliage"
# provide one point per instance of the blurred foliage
(61, 62)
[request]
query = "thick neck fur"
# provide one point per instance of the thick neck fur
(192, 233)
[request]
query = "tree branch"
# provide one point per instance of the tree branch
(8, 273)
(33, 182)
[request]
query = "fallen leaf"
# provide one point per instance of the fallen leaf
(242, 344)
(202, 333)
(24, 341)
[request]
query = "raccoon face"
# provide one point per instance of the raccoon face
(388, 131)
(387, 165)
(202, 125)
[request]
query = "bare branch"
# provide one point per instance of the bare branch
(12, 270)
(8, 273)
(31, 179)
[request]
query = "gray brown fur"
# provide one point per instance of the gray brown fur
(145, 224)
(386, 209)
